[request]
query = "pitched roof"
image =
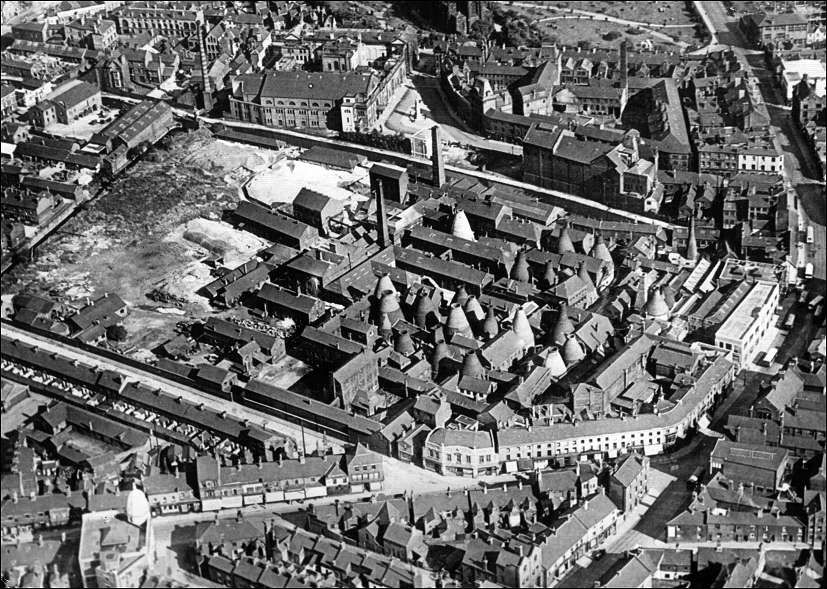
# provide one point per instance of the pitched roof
(629, 469)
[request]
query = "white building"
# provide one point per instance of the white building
(793, 71)
(117, 549)
(749, 321)
(760, 160)
(460, 452)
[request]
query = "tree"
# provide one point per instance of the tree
(116, 333)
(481, 30)
(611, 36)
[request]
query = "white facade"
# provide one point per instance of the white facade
(748, 322)
(761, 160)
(793, 71)
(612, 437)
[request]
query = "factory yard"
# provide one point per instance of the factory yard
(84, 127)
(281, 182)
(156, 226)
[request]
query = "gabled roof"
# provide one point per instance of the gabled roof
(631, 467)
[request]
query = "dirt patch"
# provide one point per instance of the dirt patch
(131, 239)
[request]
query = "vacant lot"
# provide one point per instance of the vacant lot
(150, 230)
(155, 227)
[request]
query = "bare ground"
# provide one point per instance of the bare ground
(130, 240)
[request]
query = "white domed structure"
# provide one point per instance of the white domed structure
(601, 251)
(656, 306)
(554, 362)
(564, 242)
(457, 322)
(383, 284)
(388, 304)
(473, 309)
(572, 351)
(137, 507)
(522, 328)
(461, 227)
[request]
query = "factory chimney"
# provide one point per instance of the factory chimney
(206, 86)
(437, 160)
(381, 216)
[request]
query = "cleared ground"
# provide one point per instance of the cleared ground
(152, 231)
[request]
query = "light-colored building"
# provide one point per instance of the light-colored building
(68, 103)
(761, 160)
(748, 322)
(598, 438)
(460, 452)
(117, 549)
(793, 71)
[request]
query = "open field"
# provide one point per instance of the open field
(669, 12)
(571, 31)
(562, 22)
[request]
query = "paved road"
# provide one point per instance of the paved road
(650, 530)
(190, 394)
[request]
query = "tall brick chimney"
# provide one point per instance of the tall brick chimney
(381, 216)
(206, 91)
(436, 157)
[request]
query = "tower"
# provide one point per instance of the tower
(381, 217)
(437, 160)
(624, 77)
(624, 65)
(691, 242)
(206, 85)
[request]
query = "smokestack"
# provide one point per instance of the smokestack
(624, 65)
(206, 92)
(437, 161)
(381, 216)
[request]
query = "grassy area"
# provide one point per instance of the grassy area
(572, 32)
(556, 25)
(670, 12)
